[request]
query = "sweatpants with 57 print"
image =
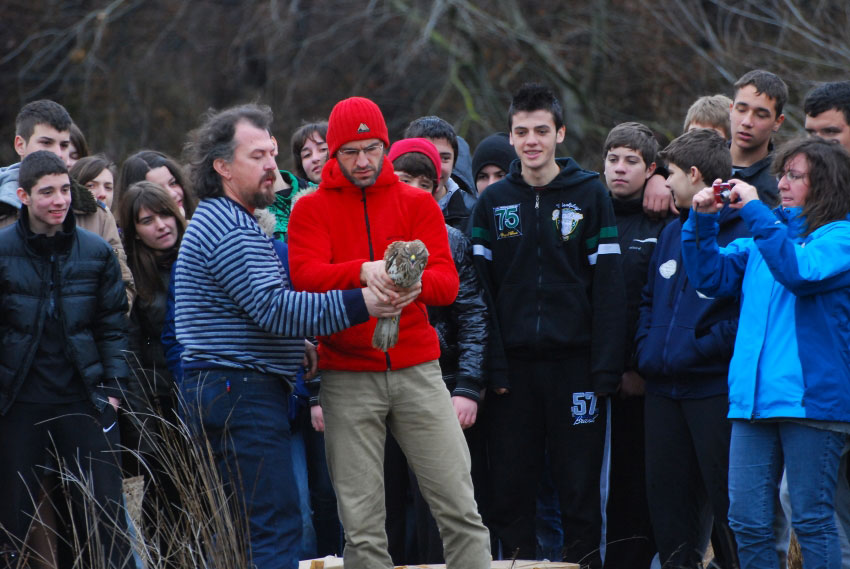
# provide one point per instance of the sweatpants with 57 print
(550, 406)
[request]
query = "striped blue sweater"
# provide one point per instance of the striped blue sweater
(234, 306)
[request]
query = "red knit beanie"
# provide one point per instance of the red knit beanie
(421, 145)
(356, 118)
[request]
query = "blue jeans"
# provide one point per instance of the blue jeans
(757, 454)
(243, 415)
(299, 468)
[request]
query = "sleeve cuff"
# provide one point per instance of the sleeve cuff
(355, 306)
(606, 383)
(313, 387)
(115, 387)
(467, 388)
(497, 378)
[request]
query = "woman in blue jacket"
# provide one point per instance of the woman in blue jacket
(789, 379)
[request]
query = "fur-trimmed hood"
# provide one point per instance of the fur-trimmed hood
(82, 200)
(266, 221)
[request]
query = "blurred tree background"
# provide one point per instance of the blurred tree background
(139, 73)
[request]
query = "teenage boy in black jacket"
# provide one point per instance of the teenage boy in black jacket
(456, 199)
(545, 244)
(630, 151)
(755, 114)
(683, 346)
(62, 338)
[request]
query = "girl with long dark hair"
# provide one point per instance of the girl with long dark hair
(152, 228)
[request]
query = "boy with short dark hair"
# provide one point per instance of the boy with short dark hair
(545, 245)
(755, 114)
(64, 334)
(46, 125)
(710, 111)
(630, 160)
(40, 125)
(43, 125)
(683, 345)
(827, 109)
(455, 201)
(630, 151)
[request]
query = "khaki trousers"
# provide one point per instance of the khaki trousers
(415, 405)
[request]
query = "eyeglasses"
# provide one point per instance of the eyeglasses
(792, 175)
(371, 151)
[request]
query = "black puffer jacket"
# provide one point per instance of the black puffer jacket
(92, 307)
(462, 325)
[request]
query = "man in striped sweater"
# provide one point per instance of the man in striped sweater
(242, 328)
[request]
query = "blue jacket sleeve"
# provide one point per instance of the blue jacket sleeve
(712, 270)
(820, 264)
(172, 348)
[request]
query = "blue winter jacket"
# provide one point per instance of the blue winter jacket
(792, 353)
(684, 339)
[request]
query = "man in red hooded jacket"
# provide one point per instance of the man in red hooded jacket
(337, 239)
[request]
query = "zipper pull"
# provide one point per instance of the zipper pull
(536, 200)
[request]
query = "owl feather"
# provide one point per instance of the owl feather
(405, 261)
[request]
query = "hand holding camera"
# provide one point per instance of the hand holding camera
(734, 193)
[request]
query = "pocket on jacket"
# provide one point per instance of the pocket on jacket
(552, 315)
(682, 353)
(685, 355)
(650, 353)
(565, 316)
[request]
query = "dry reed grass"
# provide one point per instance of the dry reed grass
(203, 531)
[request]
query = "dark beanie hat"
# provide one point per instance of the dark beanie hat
(421, 145)
(356, 118)
(495, 149)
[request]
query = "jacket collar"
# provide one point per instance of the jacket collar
(626, 207)
(792, 217)
(756, 167)
(41, 244)
(570, 174)
(333, 178)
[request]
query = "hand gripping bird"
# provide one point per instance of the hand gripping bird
(405, 261)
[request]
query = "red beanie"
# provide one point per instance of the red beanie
(356, 118)
(421, 145)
